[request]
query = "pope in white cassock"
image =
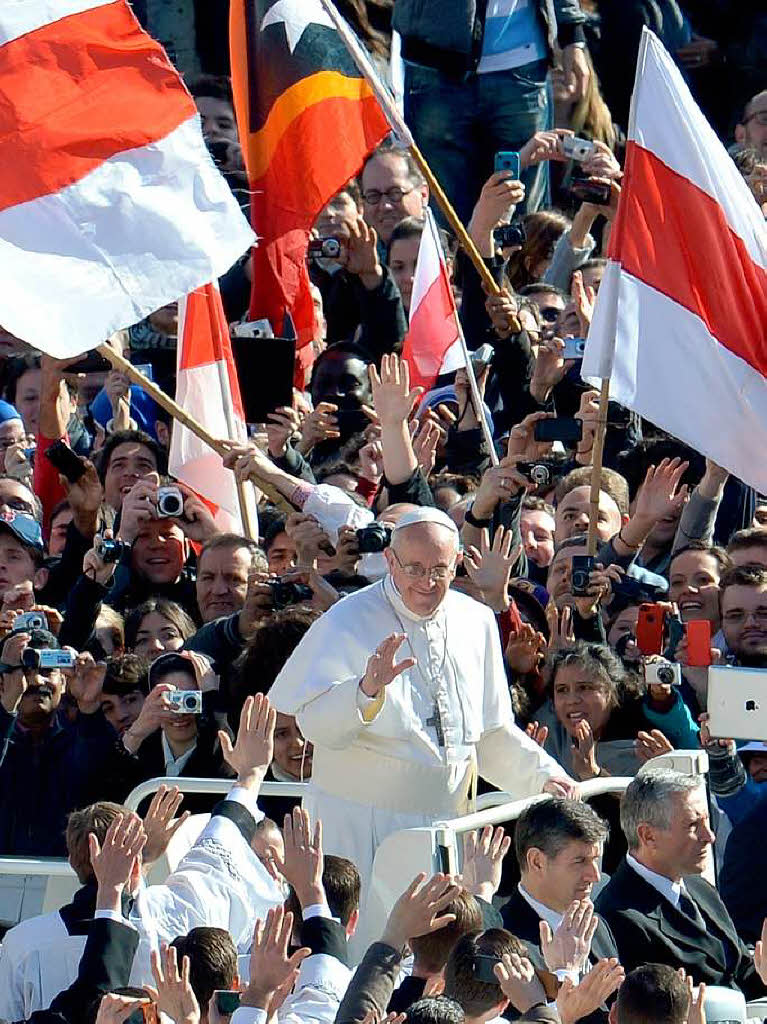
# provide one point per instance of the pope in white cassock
(397, 744)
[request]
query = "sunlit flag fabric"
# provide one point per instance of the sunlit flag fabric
(208, 389)
(110, 206)
(307, 120)
(433, 342)
(680, 325)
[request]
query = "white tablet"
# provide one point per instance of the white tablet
(737, 702)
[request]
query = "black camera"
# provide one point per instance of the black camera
(327, 248)
(374, 538)
(110, 550)
(286, 593)
(510, 235)
(536, 472)
(582, 568)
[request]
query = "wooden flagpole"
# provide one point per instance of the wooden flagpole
(596, 465)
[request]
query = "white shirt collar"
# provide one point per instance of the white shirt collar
(551, 917)
(671, 890)
(174, 767)
(401, 608)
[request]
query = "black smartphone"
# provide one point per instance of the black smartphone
(91, 362)
(227, 1001)
(483, 968)
(562, 429)
(265, 368)
(350, 422)
(66, 462)
(597, 192)
(582, 568)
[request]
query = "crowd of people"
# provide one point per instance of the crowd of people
(416, 621)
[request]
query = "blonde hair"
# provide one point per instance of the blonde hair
(591, 114)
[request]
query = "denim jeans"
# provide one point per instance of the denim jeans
(459, 125)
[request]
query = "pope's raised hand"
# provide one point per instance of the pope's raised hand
(382, 668)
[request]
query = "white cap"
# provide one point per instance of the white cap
(754, 747)
(425, 514)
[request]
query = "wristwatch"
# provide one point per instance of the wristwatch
(472, 520)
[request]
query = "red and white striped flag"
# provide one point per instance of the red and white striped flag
(110, 206)
(433, 342)
(680, 325)
(208, 389)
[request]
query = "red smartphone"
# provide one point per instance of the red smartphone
(698, 643)
(651, 626)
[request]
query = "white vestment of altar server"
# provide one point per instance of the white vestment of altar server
(409, 760)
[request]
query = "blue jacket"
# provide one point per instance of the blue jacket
(448, 34)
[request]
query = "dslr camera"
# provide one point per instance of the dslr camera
(110, 551)
(537, 473)
(373, 539)
(170, 502)
(325, 248)
(662, 672)
(28, 621)
(286, 593)
(509, 236)
(47, 657)
(185, 702)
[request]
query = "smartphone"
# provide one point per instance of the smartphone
(508, 161)
(483, 968)
(651, 626)
(574, 348)
(91, 362)
(580, 573)
(227, 1001)
(698, 643)
(65, 461)
(561, 429)
(145, 1014)
(675, 630)
(597, 192)
(350, 422)
(482, 357)
(577, 149)
(146, 369)
(265, 368)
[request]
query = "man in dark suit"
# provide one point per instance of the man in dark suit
(558, 845)
(657, 905)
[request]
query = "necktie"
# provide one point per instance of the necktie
(690, 910)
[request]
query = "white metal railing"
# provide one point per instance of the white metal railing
(54, 867)
(203, 786)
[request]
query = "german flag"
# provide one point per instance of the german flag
(307, 120)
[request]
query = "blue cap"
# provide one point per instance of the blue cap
(24, 528)
(8, 412)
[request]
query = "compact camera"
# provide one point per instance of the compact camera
(577, 149)
(509, 236)
(665, 673)
(47, 657)
(185, 702)
(374, 538)
(253, 329)
(170, 502)
(574, 348)
(28, 621)
(536, 472)
(110, 551)
(286, 593)
(326, 248)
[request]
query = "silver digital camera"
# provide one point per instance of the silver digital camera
(47, 657)
(170, 502)
(28, 621)
(186, 702)
(663, 673)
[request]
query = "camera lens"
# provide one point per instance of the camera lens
(539, 475)
(170, 505)
(666, 676)
(190, 702)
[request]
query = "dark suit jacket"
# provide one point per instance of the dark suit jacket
(649, 929)
(105, 965)
(521, 920)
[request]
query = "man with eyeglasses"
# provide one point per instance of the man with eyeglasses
(752, 130)
(392, 189)
(401, 733)
(743, 599)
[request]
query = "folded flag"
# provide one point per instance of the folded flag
(433, 342)
(680, 324)
(110, 205)
(307, 119)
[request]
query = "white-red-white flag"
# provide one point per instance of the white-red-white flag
(208, 389)
(680, 325)
(433, 342)
(110, 205)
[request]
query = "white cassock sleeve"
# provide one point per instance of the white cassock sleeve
(507, 757)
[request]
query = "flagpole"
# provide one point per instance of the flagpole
(406, 139)
(476, 398)
(119, 362)
(242, 494)
(596, 465)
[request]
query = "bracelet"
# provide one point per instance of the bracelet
(631, 547)
(472, 520)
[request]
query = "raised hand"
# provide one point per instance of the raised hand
(425, 441)
(281, 425)
(760, 954)
(568, 948)
(561, 628)
(502, 310)
(651, 744)
(309, 537)
(150, 717)
(544, 146)
(160, 822)
(498, 484)
(483, 853)
(252, 752)
(584, 752)
(550, 368)
(270, 966)
(661, 494)
(577, 1001)
(302, 863)
(115, 862)
(259, 602)
(697, 1011)
(86, 683)
(584, 297)
(173, 993)
(539, 733)
(490, 567)
(117, 1009)
(319, 425)
(522, 444)
(418, 910)
(362, 253)
(382, 669)
(519, 982)
(392, 398)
